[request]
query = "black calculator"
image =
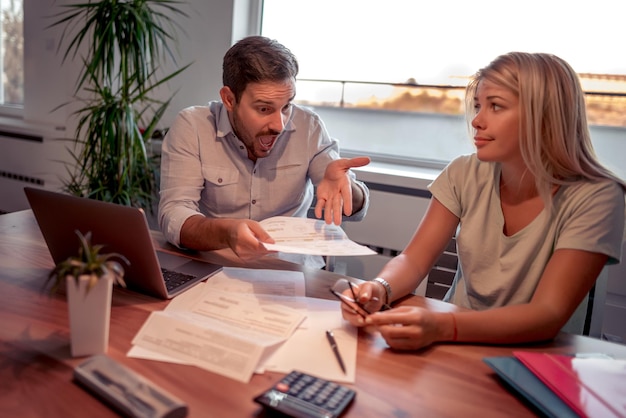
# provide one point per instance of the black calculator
(301, 395)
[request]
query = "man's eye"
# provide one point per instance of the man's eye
(264, 109)
(287, 108)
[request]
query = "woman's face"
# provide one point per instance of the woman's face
(496, 122)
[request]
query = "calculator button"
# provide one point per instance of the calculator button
(305, 396)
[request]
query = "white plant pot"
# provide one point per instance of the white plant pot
(89, 315)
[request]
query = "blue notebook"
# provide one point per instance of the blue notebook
(525, 384)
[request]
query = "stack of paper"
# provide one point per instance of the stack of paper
(243, 321)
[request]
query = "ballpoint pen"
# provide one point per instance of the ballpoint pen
(333, 345)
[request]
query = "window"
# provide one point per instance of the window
(407, 62)
(12, 54)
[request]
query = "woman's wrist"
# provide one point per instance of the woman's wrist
(454, 329)
(386, 290)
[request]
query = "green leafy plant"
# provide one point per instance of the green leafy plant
(125, 41)
(89, 261)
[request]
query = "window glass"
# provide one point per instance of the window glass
(12, 53)
(403, 56)
(442, 42)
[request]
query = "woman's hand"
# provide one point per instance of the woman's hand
(410, 327)
(370, 296)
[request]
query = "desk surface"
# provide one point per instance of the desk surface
(36, 365)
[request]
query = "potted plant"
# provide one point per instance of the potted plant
(88, 278)
(122, 45)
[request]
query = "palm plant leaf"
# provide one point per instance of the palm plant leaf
(124, 42)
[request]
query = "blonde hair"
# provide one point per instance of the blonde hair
(554, 137)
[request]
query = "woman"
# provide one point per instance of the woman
(535, 214)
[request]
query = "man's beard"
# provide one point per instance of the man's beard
(251, 141)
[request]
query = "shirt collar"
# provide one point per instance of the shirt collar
(222, 122)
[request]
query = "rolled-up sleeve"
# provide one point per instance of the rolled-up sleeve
(326, 150)
(360, 214)
(181, 175)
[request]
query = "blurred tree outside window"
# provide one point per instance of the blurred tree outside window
(12, 53)
(415, 56)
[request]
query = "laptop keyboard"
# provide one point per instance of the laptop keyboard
(175, 279)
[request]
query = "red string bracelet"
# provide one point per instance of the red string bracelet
(454, 335)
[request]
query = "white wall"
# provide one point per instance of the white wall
(209, 33)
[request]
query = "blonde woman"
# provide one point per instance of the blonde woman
(536, 215)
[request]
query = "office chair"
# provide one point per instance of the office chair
(594, 313)
(442, 274)
(587, 318)
(329, 261)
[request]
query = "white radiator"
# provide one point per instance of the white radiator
(29, 158)
(393, 215)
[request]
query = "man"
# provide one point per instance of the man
(251, 156)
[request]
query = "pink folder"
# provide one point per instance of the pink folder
(591, 386)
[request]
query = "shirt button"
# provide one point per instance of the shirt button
(220, 180)
(254, 201)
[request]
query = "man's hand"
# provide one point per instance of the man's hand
(334, 193)
(244, 237)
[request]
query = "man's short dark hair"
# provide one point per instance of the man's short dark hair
(256, 59)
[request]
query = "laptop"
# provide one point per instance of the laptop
(120, 229)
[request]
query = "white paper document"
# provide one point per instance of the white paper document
(223, 332)
(258, 281)
(206, 346)
(309, 351)
(310, 236)
(243, 321)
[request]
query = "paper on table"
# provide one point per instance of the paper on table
(209, 347)
(308, 349)
(223, 332)
(255, 281)
(310, 236)
(249, 313)
(232, 279)
(281, 287)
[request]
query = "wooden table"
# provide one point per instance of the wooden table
(446, 380)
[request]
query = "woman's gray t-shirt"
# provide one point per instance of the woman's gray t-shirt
(495, 269)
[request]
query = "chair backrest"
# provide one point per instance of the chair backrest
(442, 274)
(587, 319)
(594, 314)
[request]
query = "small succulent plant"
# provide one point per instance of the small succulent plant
(89, 261)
